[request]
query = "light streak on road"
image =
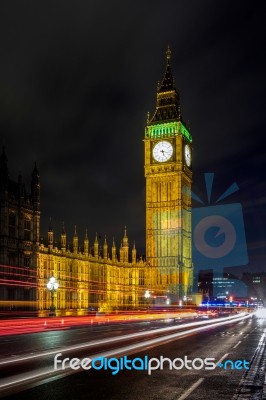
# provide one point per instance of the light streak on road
(125, 337)
(30, 379)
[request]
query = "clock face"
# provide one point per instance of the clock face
(162, 151)
(187, 155)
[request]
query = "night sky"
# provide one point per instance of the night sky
(77, 79)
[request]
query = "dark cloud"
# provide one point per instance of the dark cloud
(76, 82)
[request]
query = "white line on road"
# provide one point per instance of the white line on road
(190, 390)
(235, 346)
(245, 336)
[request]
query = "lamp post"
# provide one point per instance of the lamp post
(52, 286)
(147, 296)
(180, 283)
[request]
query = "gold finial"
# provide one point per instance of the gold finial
(86, 234)
(75, 233)
(158, 86)
(148, 117)
(168, 55)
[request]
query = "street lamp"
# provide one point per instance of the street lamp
(52, 286)
(147, 295)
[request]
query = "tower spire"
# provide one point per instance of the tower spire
(167, 104)
(168, 55)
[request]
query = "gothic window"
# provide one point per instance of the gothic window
(141, 278)
(27, 230)
(12, 225)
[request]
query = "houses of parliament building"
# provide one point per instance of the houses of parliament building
(106, 278)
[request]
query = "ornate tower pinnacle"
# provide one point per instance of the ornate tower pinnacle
(134, 254)
(113, 250)
(50, 235)
(86, 243)
(63, 238)
(167, 104)
(75, 240)
(105, 248)
(96, 247)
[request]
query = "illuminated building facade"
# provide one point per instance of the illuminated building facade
(90, 277)
(168, 158)
(96, 276)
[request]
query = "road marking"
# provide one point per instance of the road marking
(222, 358)
(190, 390)
(235, 346)
(245, 336)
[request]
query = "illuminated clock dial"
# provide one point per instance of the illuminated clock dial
(162, 151)
(187, 155)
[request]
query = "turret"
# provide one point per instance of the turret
(105, 249)
(86, 244)
(63, 238)
(50, 236)
(75, 241)
(96, 247)
(121, 253)
(134, 254)
(125, 246)
(113, 250)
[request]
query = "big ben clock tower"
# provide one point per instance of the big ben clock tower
(168, 173)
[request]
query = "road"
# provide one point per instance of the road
(29, 355)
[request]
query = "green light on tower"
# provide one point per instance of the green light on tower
(168, 129)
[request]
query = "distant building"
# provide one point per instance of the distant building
(221, 286)
(256, 283)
